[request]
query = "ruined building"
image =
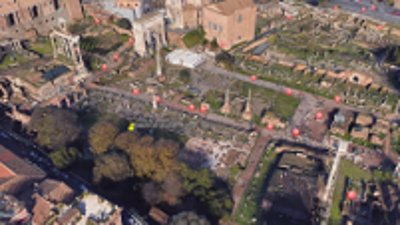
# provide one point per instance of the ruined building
(20, 19)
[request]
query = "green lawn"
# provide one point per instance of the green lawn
(9, 60)
(346, 169)
(193, 38)
(281, 105)
(42, 47)
(248, 207)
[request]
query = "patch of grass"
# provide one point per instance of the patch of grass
(281, 105)
(42, 47)
(214, 98)
(9, 60)
(112, 79)
(194, 37)
(352, 171)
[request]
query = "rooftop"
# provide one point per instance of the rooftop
(43, 75)
(55, 191)
(11, 166)
(228, 7)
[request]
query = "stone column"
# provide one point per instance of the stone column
(248, 113)
(158, 55)
(53, 44)
(226, 108)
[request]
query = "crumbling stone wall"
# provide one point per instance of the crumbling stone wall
(21, 16)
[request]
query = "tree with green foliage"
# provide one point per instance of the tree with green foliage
(195, 179)
(201, 184)
(184, 76)
(225, 58)
(101, 136)
(124, 24)
(125, 140)
(54, 128)
(63, 158)
(154, 160)
(194, 37)
(114, 166)
(172, 189)
(214, 44)
(151, 192)
(188, 218)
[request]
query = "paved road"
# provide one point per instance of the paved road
(382, 12)
(31, 153)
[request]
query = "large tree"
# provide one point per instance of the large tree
(172, 189)
(151, 192)
(114, 166)
(63, 158)
(101, 136)
(154, 160)
(124, 141)
(55, 128)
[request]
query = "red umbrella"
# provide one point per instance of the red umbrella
(104, 67)
(319, 116)
(373, 8)
(191, 107)
(158, 99)
(363, 9)
(289, 17)
(337, 99)
(135, 91)
(288, 92)
(116, 57)
(203, 108)
(253, 78)
(97, 21)
(270, 126)
(295, 132)
(351, 195)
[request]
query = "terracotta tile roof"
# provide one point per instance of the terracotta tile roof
(228, 7)
(68, 216)
(15, 173)
(158, 215)
(55, 191)
(18, 165)
(5, 172)
(41, 210)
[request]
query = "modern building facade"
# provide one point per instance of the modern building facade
(19, 18)
(230, 22)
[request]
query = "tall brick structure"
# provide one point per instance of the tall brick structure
(230, 22)
(19, 18)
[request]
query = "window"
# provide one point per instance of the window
(10, 20)
(56, 4)
(34, 12)
(240, 18)
(239, 37)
